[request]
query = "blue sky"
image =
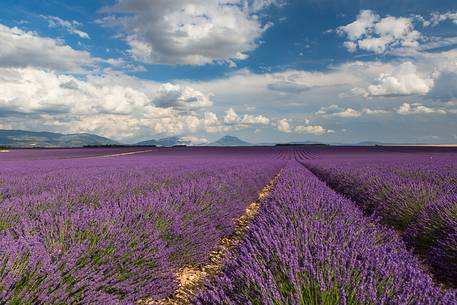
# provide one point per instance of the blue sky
(264, 70)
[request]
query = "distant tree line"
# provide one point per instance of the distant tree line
(116, 145)
(309, 144)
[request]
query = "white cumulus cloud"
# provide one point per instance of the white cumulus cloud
(113, 105)
(417, 108)
(402, 80)
(232, 118)
(438, 18)
(20, 48)
(181, 97)
(194, 32)
(333, 111)
(313, 129)
(194, 140)
(372, 33)
(337, 111)
(283, 125)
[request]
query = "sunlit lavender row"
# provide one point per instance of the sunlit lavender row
(341, 225)
(115, 230)
(416, 195)
(309, 245)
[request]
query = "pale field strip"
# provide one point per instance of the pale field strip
(116, 155)
(125, 154)
(102, 156)
(191, 278)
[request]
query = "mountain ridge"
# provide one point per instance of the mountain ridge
(229, 140)
(226, 140)
(167, 142)
(12, 138)
(24, 138)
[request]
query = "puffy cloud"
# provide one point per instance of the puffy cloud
(438, 18)
(402, 80)
(181, 98)
(232, 118)
(195, 140)
(313, 129)
(337, 111)
(211, 122)
(283, 125)
(30, 90)
(248, 119)
(417, 108)
(194, 32)
(350, 83)
(360, 27)
(369, 111)
(372, 33)
(71, 26)
(348, 113)
(27, 49)
(113, 105)
(350, 46)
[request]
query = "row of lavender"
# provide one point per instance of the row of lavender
(114, 230)
(309, 245)
(416, 195)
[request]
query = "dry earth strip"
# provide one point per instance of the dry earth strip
(191, 278)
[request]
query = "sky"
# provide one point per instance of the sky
(335, 71)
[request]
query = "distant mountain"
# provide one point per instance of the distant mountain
(230, 141)
(173, 141)
(147, 143)
(22, 138)
(168, 142)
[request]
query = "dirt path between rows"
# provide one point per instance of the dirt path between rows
(192, 278)
(126, 153)
(117, 155)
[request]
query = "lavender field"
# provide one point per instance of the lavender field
(254, 225)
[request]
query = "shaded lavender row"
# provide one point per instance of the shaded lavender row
(309, 245)
(416, 196)
(114, 230)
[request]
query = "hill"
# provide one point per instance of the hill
(230, 141)
(168, 142)
(22, 138)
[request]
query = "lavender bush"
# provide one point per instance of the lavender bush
(309, 245)
(81, 230)
(414, 195)
(115, 230)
